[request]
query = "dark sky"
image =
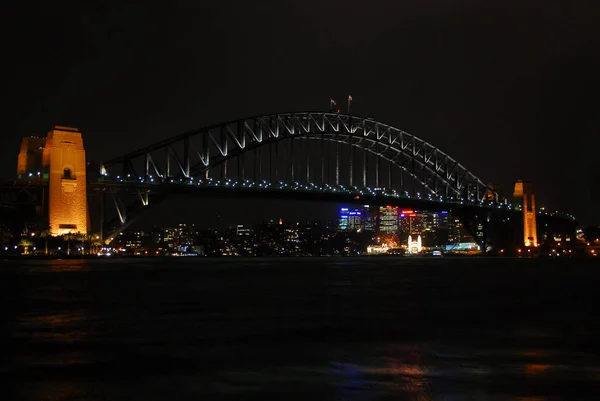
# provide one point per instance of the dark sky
(509, 88)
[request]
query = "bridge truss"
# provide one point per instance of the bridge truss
(308, 151)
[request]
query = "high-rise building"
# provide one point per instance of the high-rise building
(351, 219)
(409, 222)
(369, 218)
(433, 228)
(180, 238)
(457, 232)
(388, 219)
(434, 220)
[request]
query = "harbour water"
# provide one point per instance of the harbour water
(366, 328)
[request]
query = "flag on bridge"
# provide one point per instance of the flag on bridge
(332, 105)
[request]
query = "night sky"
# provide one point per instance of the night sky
(507, 88)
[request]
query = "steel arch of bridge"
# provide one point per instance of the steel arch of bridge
(194, 153)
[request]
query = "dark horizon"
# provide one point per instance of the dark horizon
(505, 88)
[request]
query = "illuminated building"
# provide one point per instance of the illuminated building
(409, 222)
(58, 159)
(291, 235)
(29, 163)
(415, 247)
(378, 249)
(64, 158)
(351, 220)
(369, 218)
(388, 219)
(433, 227)
(463, 247)
(457, 232)
(434, 221)
(243, 231)
(524, 195)
(179, 239)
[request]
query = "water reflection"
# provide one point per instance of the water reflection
(536, 368)
(54, 314)
(61, 390)
(401, 371)
(87, 330)
(64, 265)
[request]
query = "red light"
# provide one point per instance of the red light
(357, 197)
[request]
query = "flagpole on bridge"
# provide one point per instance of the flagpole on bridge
(349, 103)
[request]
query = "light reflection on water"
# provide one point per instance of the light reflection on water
(65, 265)
(89, 330)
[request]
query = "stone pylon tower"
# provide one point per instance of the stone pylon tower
(524, 195)
(64, 164)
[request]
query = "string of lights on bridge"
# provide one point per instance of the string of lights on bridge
(327, 188)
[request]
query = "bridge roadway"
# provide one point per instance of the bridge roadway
(11, 190)
(265, 190)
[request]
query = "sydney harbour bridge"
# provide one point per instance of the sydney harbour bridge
(304, 156)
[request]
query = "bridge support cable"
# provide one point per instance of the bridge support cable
(259, 176)
(271, 162)
(167, 163)
(337, 164)
(390, 175)
(147, 166)
(306, 148)
(292, 172)
(102, 200)
(240, 165)
(351, 174)
(144, 197)
(322, 159)
(186, 157)
(277, 161)
(365, 168)
(121, 210)
(402, 187)
(377, 166)
(328, 161)
(414, 179)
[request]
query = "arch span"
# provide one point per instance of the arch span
(195, 153)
